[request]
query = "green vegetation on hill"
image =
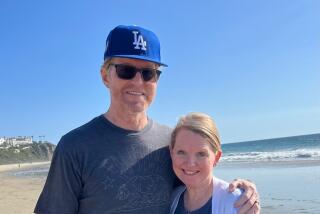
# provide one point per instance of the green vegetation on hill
(26, 153)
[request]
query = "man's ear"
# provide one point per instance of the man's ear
(105, 76)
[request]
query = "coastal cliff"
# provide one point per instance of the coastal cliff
(26, 153)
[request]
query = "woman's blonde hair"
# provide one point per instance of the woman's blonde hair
(201, 124)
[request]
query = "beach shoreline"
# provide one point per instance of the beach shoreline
(19, 166)
(269, 164)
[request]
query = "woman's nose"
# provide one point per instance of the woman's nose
(190, 161)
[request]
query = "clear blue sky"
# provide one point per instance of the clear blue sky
(253, 65)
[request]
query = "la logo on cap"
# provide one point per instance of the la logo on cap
(133, 42)
(139, 41)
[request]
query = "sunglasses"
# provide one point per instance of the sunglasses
(128, 72)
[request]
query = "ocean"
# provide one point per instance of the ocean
(297, 148)
(286, 171)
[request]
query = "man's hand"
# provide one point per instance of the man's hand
(249, 201)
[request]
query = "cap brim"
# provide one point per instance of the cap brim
(140, 57)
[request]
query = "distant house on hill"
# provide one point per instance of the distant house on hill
(14, 141)
(2, 140)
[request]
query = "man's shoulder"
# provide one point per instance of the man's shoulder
(161, 127)
(81, 133)
(160, 133)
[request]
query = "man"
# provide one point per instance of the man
(119, 162)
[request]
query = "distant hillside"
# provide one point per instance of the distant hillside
(26, 153)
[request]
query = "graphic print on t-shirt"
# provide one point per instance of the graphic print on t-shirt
(135, 179)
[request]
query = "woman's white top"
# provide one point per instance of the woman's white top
(222, 200)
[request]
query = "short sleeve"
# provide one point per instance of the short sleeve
(63, 185)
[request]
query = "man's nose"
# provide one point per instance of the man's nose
(138, 78)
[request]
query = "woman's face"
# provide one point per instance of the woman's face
(193, 159)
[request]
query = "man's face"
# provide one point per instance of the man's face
(129, 96)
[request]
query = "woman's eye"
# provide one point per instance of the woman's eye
(180, 152)
(202, 154)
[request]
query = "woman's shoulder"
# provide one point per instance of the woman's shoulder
(175, 196)
(222, 198)
(222, 186)
(178, 191)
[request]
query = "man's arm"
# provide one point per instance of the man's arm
(249, 201)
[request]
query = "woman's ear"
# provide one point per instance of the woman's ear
(170, 149)
(217, 157)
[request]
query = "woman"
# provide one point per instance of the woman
(195, 150)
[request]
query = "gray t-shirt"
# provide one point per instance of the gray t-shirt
(102, 168)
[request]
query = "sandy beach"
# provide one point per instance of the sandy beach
(18, 195)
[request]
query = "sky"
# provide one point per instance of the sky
(253, 65)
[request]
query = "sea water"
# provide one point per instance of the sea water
(298, 148)
(285, 170)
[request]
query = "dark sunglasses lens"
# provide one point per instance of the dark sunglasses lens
(129, 72)
(149, 74)
(125, 72)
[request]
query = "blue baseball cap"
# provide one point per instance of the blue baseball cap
(133, 42)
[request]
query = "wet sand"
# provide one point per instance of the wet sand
(11, 167)
(284, 187)
(18, 195)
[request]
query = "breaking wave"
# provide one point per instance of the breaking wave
(300, 154)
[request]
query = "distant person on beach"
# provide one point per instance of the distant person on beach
(195, 150)
(119, 162)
